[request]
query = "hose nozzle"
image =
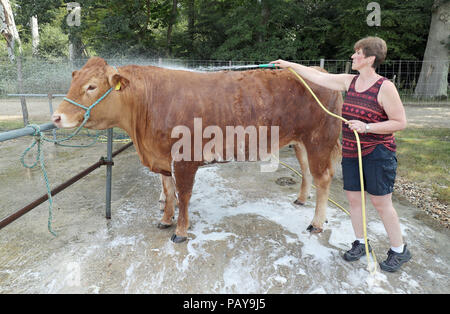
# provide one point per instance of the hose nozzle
(268, 65)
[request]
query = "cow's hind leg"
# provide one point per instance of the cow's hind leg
(305, 188)
(321, 166)
(184, 181)
(162, 195)
(323, 189)
(170, 199)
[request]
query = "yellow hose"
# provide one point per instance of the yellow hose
(361, 178)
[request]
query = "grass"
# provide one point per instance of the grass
(10, 125)
(424, 156)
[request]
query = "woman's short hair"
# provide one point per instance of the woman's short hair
(373, 46)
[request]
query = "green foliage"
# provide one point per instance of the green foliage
(53, 43)
(404, 27)
(3, 49)
(225, 29)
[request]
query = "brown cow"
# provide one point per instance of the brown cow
(152, 101)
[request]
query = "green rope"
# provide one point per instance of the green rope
(39, 137)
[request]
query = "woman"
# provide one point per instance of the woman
(374, 109)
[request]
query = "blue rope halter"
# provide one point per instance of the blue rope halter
(87, 115)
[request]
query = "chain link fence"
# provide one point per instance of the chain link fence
(40, 76)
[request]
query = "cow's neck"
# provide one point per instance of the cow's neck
(133, 106)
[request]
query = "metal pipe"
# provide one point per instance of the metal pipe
(59, 188)
(9, 135)
(117, 152)
(50, 105)
(35, 95)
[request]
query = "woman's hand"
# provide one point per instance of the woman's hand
(357, 125)
(281, 63)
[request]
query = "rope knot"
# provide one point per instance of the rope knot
(37, 130)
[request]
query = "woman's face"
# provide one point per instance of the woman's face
(360, 61)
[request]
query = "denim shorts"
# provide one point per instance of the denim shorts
(379, 168)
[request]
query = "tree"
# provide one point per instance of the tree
(172, 20)
(34, 34)
(9, 31)
(404, 26)
(191, 24)
(258, 30)
(433, 75)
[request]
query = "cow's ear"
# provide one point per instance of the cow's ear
(118, 82)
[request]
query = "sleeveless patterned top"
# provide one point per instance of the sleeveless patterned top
(364, 107)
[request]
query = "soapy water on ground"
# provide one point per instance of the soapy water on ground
(246, 236)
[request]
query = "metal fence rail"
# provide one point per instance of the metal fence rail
(9, 135)
(108, 161)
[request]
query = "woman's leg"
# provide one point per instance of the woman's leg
(354, 199)
(383, 204)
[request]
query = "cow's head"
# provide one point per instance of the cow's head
(88, 85)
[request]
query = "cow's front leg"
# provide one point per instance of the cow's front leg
(168, 187)
(184, 181)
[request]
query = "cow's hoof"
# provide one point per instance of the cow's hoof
(163, 226)
(177, 239)
(313, 229)
(297, 202)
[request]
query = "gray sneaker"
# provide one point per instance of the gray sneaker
(356, 252)
(395, 260)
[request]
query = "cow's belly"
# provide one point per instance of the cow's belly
(158, 167)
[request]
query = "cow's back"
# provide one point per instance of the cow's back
(229, 98)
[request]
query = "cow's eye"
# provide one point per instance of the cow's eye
(91, 88)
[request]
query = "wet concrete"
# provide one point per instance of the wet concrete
(246, 235)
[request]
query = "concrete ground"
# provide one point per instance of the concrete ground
(246, 235)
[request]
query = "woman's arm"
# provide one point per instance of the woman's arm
(339, 82)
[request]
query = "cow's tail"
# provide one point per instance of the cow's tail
(336, 153)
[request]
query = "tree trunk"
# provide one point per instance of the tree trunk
(265, 14)
(173, 17)
(8, 28)
(433, 75)
(75, 50)
(34, 35)
(23, 102)
(191, 24)
(9, 31)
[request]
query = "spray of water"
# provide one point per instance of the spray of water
(228, 67)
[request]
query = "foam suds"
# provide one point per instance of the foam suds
(237, 243)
